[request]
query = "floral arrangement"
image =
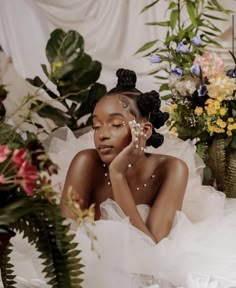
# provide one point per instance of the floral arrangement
(196, 86)
(203, 100)
(29, 205)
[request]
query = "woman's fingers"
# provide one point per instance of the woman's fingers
(138, 136)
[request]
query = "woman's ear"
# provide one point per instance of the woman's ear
(147, 129)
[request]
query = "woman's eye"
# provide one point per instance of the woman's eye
(96, 127)
(116, 125)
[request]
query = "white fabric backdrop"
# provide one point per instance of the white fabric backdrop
(113, 31)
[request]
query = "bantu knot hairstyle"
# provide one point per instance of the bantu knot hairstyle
(148, 103)
(149, 106)
(126, 82)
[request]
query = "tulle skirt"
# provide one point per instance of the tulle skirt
(199, 252)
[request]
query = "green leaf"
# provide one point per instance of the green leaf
(192, 12)
(220, 7)
(173, 18)
(64, 47)
(164, 87)
(149, 6)
(172, 5)
(214, 17)
(37, 82)
(146, 46)
(166, 97)
(45, 70)
(163, 23)
(161, 77)
(56, 115)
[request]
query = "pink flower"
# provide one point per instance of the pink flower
(2, 179)
(211, 64)
(18, 156)
(4, 151)
(28, 175)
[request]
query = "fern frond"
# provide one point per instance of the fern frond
(45, 229)
(6, 268)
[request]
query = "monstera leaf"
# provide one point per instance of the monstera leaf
(75, 74)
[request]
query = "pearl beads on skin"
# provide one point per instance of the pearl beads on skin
(129, 166)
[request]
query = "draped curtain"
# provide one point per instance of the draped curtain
(113, 30)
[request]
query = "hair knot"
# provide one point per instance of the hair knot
(126, 78)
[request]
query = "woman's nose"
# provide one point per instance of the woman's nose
(104, 133)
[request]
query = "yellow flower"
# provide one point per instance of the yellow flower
(217, 130)
(210, 128)
(217, 104)
(220, 98)
(198, 111)
(230, 127)
(209, 101)
(229, 133)
(211, 110)
(172, 107)
(221, 123)
(230, 120)
(223, 111)
(173, 129)
(221, 85)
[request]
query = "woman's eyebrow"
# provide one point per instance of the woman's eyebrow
(110, 115)
(116, 114)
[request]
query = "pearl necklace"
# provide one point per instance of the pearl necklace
(106, 174)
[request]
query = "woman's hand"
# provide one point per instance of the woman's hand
(131, 153)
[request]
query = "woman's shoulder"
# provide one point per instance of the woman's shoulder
(87, 158)
(169, 164)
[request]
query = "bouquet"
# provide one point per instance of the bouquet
(197, 87)
(28, 205)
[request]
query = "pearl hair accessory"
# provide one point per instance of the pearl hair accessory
(137, 130)
(144, 185)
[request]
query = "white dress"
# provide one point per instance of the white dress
(200, 251)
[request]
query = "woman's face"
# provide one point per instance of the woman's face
(112, 133)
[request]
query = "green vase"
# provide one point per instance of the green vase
(221, 161)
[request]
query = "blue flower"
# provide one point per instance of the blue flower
(196, 70)
(202, 90)
(177, 71)
(197, 41)
(231, 73)
(154, 58)
(181, 48)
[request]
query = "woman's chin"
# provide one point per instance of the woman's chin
(107, 159)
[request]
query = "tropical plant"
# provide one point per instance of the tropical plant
(74, 74)
(28, 205)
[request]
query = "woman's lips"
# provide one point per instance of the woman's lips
(105, 149)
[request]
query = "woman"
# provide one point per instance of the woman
(130, 186)
(124, 122)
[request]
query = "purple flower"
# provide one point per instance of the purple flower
(197, 41)
(177, 71)
(181, 48)
(154, 58)
(202, 90)
(196, 70)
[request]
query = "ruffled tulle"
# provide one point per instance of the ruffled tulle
(200, 251)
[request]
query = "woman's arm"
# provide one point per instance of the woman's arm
(169, 199)
(79, 179)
